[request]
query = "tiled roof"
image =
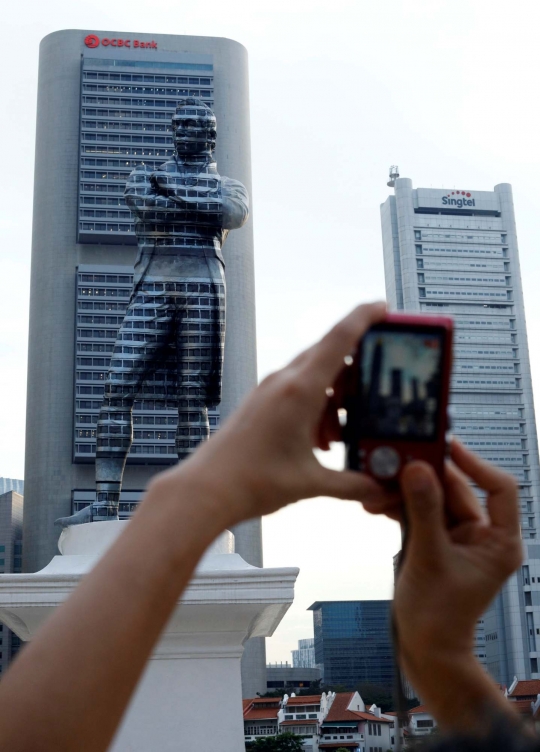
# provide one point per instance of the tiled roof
(369, 717)
(419, 709)
(306, 700)
(527, 688)
(338, 709)
(299, 723)
(260, 714)
(253, 713)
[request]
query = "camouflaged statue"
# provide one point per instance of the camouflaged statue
(183, 212)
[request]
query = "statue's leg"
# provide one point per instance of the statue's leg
(200, 364)
(138, 353)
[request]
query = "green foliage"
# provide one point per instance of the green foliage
(342, 749)
(279, 743)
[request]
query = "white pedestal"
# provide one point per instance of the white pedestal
(190, 694)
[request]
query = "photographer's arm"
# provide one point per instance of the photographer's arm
(457, 559)
(69, 688)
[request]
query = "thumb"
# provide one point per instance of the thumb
(424, 504)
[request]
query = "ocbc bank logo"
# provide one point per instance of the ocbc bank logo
(92, 40)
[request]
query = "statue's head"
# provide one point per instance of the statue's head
(194, 127)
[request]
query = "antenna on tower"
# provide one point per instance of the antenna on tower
(394, 175)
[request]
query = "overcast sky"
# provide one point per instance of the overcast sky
(340, 90)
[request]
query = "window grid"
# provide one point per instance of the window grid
(125, 121)
(100, 296)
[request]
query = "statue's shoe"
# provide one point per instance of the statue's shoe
(85, 515)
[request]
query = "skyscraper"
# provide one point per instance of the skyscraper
(455, 252)
(105, 101)
(353, 644)
(304, 656)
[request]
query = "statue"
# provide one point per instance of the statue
(170, 344)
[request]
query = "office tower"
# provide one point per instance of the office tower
(304, 656)
(105, 101)
(11, 484)
(11, 517)
(455, 252)
(353, 643)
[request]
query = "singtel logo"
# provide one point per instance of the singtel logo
(93, 41)
(458, 202)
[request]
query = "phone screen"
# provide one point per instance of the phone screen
(400, 384)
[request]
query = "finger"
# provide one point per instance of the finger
(501, 487)
(391, 508)
(348, 484)
(462, 504)
(324, 361)
(329, 428)
(425, 510)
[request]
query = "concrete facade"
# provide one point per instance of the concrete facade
(196, 663)
(52, 476)
(455, 252)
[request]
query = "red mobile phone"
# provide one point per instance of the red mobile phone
(397, 396)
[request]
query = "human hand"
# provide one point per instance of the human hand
(262, 458)
(457, 558)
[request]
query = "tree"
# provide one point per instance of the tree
(279, 743)
(342, 749)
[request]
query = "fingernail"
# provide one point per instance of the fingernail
(419, 480)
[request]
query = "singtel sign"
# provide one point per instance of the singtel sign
(92, 40)
(462, 198)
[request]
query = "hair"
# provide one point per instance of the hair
(194, 102)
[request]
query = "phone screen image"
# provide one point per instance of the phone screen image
(400, 384)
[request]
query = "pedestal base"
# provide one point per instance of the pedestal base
(190, 694)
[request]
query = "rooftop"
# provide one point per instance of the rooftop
(527, 688)
(304, 700)
(339, 708)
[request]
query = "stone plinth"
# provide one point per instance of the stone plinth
(190, 694)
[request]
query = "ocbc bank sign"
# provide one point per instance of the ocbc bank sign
(92, 40)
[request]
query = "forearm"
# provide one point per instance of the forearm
(86, 661)
(458, 692)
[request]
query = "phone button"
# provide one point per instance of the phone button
(384, 462)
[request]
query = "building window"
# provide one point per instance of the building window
(534, 665)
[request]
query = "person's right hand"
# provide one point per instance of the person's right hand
(457, 558)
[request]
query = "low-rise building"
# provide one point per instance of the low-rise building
(421, 722)
(291, 678)
(261, 718)
(303, 715)
(351, 726)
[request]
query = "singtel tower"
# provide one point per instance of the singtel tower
(455, 252)
(105, 101)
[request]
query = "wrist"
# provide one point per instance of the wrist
(456, 690)
(185, 496)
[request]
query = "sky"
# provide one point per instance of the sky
(339, 91)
